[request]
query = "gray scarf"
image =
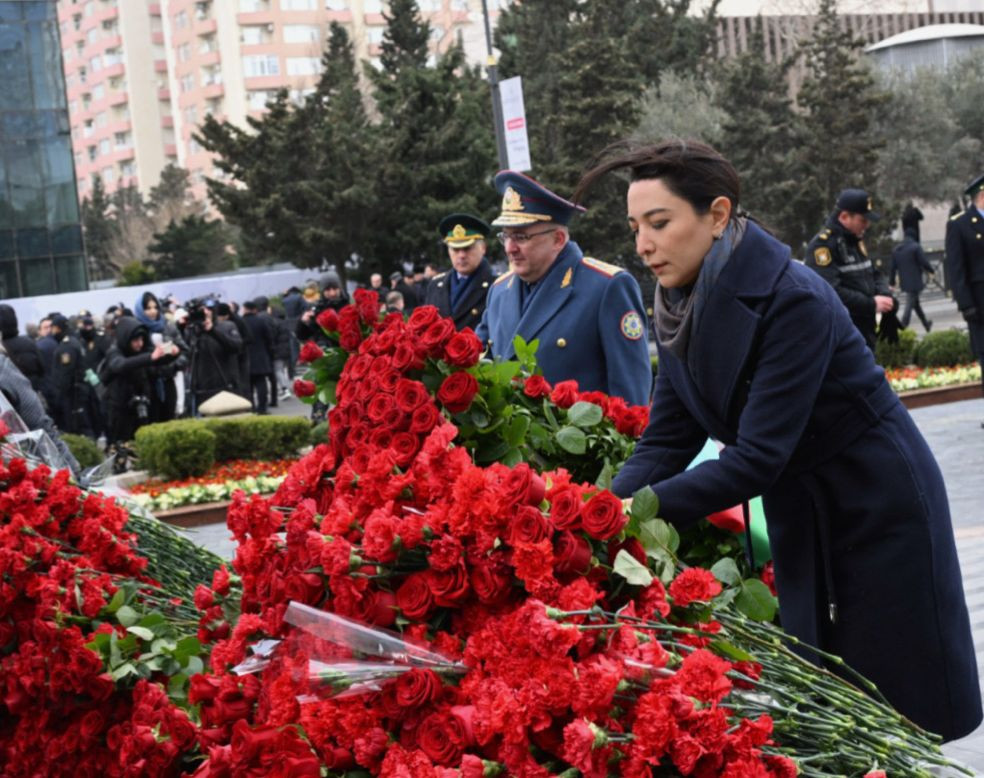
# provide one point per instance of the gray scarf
(677, 312)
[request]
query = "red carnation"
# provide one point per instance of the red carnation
(703, 675)
(692, 585)
(602, 516)
(536, 386)
(304, 388)
(464, 349)
(328, 320)
(310, 351)
(457, 391)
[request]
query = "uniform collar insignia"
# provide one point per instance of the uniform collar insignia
(567, 278)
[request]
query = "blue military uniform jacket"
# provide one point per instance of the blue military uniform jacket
(468, 309)
(965, 260)
(857, 512)
(589, 320)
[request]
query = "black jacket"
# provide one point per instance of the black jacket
(471, 304)
(21, 350)
(215, 359)
(261, 345)
(965, 261)
(908, 263)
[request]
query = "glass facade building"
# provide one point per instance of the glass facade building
(41, 248)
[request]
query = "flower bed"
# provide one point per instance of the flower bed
(907, 379)
(217, 485)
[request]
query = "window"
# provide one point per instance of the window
(121, 140)
(254, 35)
(203, 10)
(73, 106)
(108, 175)
(191, 114)
(112, 57)
(127, 169)
(101, 119)
(373, 6)
(303, 66)
(336, 5)
(95, 64)
(261, 65)
(302, 33)
(91, 151)
(213, 106)
(181, 20)
(184, 52)
(427, 6)
(258, 99)
(211, 75)
(76, 22)
(188, 82)
(98, 91)
(121, 114)
(299, 5)
(207, 45)
(460, 5)
(92, 36)
(194, 147)
(104, 146)
(250, 6)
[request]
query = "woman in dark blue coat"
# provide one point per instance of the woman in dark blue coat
(758, 352)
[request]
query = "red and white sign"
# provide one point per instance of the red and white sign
(514, 123)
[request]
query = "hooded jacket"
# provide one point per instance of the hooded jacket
(21, 350)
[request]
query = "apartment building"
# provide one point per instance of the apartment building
(142, 75)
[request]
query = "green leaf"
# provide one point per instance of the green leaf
(726, 571)
(194, 665)
(326, 394)
(756, 601)
(127, 616)
(731, 651)
(512, 457)
(604, 479)
(631, 570)
(658, 535)
(572, 440)
(125, 669)
(478, 418)
(141, 632)
(515, 431)
(505, 372)
(645, 505)
(187, 647)
(584, 414)
(118, 599)
(176, 687)
(491, 451)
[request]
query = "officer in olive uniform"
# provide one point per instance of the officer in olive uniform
(461, 291)
(965, 264)
(587, 315)
(838, 254)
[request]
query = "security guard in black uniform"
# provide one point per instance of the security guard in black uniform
(965, 264)
(838, 254)
(461, 291)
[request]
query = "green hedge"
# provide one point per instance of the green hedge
(946, 348)
(84, 449)
(897, 354)
(318, 433)
(188, 447)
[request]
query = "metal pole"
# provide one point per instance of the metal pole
(500, 136)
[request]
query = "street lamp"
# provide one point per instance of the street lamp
(500, 138)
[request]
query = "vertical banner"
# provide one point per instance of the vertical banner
(514, 123)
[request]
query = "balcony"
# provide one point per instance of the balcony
(205, 26)
(209, 58)
(112, 71)
(154, 9)
(170, 150)
(107, 13)
(213, 90)
(118, 97)
(157, 38)
(167, 121)
(163, 93)
(160, 66)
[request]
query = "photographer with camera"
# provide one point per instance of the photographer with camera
(215, 348)
(132, 366)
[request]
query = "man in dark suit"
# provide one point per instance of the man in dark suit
(460, 292)
(908, 262)
(587, 315)
(965, 264)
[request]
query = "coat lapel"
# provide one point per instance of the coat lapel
(510, 312)
(476, 292)
(557, 290)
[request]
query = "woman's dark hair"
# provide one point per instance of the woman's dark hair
(690, 169)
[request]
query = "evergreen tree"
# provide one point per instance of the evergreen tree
(98, 228)
(171, 200)
(194, 246)
(761, 136)
(839, 100)
(437, 150)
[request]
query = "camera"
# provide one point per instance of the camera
(141, 405)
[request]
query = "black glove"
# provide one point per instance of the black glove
(970, 315)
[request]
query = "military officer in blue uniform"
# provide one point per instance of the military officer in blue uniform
(838, 254)
(587, 315)
(965, 264)
(460, 292)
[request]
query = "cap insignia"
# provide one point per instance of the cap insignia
(870, 206)
(458, 232)
(511, 201)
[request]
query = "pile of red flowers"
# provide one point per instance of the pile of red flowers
(64, 558)
(502, 568)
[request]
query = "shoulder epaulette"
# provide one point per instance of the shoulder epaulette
(503, 277)
(957, 215)
(439, 276)
(602, 267)
(823, 234)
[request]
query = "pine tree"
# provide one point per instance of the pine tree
(98, 228)
(193, 246)
(839, 100)
(171, 200)
(761, 136)
(436, 148)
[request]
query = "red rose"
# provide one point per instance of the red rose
(442, 738)
(422, 318)
(572, 553)
(310, 351)
(565, 507)
(523, 486)
(564, 394)
(768, 577)
(350, 340)
(457, 391)
(92, 725)
(328, 320)
(410, 395)
(694, 584)
(304, 388)
(432, 339)
(308, 588)
(414, 597)
(536, 386)
(405, 358)
(405, 446)
(595, 398)
(450, 586)
(424, 418)
(463, 349)
(730, 520)
(380, 407)
(417, 687)
(602, 516)
(491, 580)
(528, 525)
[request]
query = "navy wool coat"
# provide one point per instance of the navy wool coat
(856, 509)
(589, 320)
